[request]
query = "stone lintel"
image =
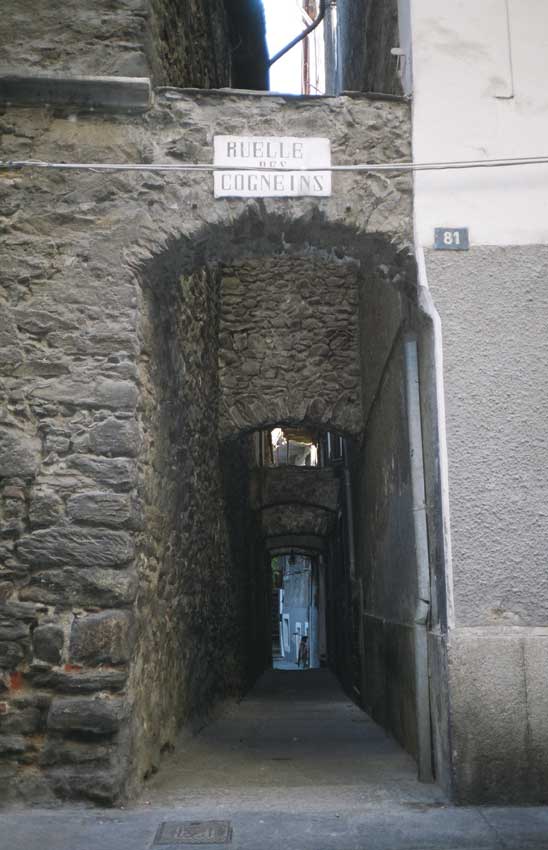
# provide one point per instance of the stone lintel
(167, 93)
(297, 542)
(109, 94)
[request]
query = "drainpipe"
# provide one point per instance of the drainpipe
(422, 610)
(315, 23)
(351, 556)
(349, 518)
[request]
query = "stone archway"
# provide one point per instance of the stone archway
(215, 350)
(123, 585)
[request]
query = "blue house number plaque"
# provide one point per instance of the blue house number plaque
(451, 239)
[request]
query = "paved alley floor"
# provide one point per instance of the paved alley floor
(295, 766)
(296, 732)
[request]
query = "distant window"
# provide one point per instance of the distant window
(294, 447)
(334, 447)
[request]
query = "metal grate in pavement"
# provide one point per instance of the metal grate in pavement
(194, 832)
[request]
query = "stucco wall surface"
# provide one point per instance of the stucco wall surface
(479, 93)
(493, 304)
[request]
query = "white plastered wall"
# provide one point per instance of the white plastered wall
(479, 92)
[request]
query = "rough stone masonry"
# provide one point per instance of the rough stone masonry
(125, 368)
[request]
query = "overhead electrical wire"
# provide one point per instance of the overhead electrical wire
(372, 167)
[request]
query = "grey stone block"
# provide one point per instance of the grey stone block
(11, 629)
(25, 611)
(39, 321)
(85, 715)
(96, 507)
(101, 785)
(101, 392)
(101, 638)
(118, 473)
(46, 507)
(296, 519)
(27, 720)
(111, 94)
(10, 654)
(47, 643)
(12, 744)
(82, 588)
(57, 752)
(499, 731)
(54, 547)
(535, 651)
(82, 683)
(299, 485)
(58, 443)
(20, 453)
(115, 437)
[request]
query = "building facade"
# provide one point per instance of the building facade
(474, 76)
(149, 330)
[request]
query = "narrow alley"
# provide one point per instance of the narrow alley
(295, 734)
(273, 409)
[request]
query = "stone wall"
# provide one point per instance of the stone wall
(68, 474)
(200, 43)
(107, 281)
(75, 38)
(252, 590)
(249, 51)
(189, 43)
(295, 485)
(188, 653)
(366, 31)
(296, 520)
(289, 344)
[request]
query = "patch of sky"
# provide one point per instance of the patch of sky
(284, 21)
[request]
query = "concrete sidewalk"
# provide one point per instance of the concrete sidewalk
(295, 766)
(374, 826)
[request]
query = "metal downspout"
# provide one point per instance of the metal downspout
(315, 23)
(349, 515)
(423, 600)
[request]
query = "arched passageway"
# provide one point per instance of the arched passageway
(182, 324)
(318, 340)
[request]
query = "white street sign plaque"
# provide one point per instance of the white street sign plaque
(272, 167)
